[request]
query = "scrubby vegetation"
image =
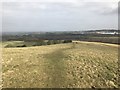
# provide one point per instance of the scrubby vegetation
(8, 44)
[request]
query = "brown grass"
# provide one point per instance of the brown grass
(82, 65)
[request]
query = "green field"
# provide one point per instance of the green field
(72, 65)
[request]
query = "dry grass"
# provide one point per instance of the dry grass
(80, 65)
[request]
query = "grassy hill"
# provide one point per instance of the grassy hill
(81, 65)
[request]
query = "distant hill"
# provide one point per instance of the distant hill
(104, 31)
(109, 36)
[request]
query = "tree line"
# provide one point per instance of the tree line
(37, 43)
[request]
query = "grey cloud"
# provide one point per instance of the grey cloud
(50, 16)
(104, 8)
(98, 7)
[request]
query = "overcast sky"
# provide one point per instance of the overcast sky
(58, 15)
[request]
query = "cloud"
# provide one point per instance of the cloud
(97, 6)
(104, 8)
(59, 14)
(60, 0)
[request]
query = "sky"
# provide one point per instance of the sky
(58, 15)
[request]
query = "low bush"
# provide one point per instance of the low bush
(21, 46)
(67, 41)
(37, 43)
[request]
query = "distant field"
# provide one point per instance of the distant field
(72, 65)
(113, 40)
(15, 44)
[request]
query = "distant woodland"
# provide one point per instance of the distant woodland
(93, 37)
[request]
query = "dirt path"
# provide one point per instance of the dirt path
(56, 69)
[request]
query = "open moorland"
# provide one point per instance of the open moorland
(71, 65)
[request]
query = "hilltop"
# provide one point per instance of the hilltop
(81, 65)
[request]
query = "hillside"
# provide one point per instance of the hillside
(81, 65)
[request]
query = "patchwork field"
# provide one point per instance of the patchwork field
(72, 65)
